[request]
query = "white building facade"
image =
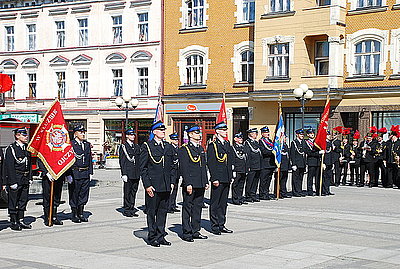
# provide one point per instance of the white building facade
(88, 53)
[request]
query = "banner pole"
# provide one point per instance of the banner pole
(51, 204)
(322, 171)
(278, 183)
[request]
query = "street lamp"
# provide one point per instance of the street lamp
(127, 100)
(303, 94)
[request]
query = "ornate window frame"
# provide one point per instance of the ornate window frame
(188, 51)
(275, 40)
(238, 49)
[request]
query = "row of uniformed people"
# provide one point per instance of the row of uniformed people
(17, 174)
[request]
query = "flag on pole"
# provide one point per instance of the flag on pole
(222, 112)
(5, 83)
(279, 140)
(159, 116)
(320, 139)
(51, 142)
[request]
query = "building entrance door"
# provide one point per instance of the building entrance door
(206, 124)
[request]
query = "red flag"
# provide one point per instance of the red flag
(320, 140)
(222, 112)
(51, 142)
(5, 83)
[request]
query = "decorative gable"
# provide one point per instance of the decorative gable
(59, 60)
(116, 57)
(30, 63)
(9, 64)
(141, 56)
(82, 60)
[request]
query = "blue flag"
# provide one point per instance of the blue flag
(279, 140)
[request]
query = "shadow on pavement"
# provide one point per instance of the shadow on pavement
(4, 224)
(176, 228)
(142, 234)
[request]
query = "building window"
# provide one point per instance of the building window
(194, 13)
(367, 57)
(117, 82)
(293, 122)
(247, 66)
(369, 3)
(117, 29)
(83, 83)
(83, 32)
(143, 26)
(60, 25)
(248, 10)
(280, 5)
(61, 83)
(322, 58)
(9, 38)
(11, 93)
(143, 75)
(278, 60)
(194, 70)
(32, 85)
(31, 36)
(324, 2)
(385, 118)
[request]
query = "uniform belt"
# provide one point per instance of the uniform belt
(25, 173)
(81, 168)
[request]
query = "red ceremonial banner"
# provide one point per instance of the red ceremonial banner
(51, 142)
(320, 140)
(5, 83)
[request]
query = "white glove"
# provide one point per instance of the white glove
(90, 177)
(276, 170)
(321, 152)
(323, 166)
(50, 177)
(69, 179)
(124, 178)
(14, 186)
(234, 174)
(294, 168)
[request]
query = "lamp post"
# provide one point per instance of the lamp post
(128, 101)
(303, 94)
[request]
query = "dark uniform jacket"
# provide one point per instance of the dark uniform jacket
(297, 154)
(220, 161)
(380, 150)
(313, 156)
(17, 165)
(239, 159)
(129, 160)
(328, 160)
(392, 149)
(357, 155)
(253, 151)
(337, 149)
(193, 165)
(368, 156)
(83, 166)
(285, 162)
(268, 156)
(175, 164)
(156, 167)
(346, 154)
(1, 167)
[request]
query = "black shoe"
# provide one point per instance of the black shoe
(176, 210)
(216, 232)
(204, 206)
(199, 236)
(170, 211)
(128, 214)
(226, 230)
(331, 193)
(187, 239)
(56, 221)
(154, 244)
(297, 195)
(15, 226)
(74, 217)
(256, 200)
(310, 194)
(25, 226)
(324, 194)
(244, 203)
(264, 198)
(249, 200)
(165, 242)
(80, 214)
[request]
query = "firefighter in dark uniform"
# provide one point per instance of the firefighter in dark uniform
(172, 199)
(368, 147)
(380, 161)
(47, 178)
(240, 170)
(354, 161)
(285, 165)
(313, 163)
(156, 171)
(298, 161)
(328, 167)
(345, 157)
(336, 149)
(17, 174)
(254, 157)
(392, 158)
(193, 167)
(219, 161)
(2, 183)
(268, 164)
(81, 172)
(129, 154)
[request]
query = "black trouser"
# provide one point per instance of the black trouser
(18, 199)
(313, 175)
(379, 165)
(265, 182)
(78, 192)
(218, 205)
(354, 171)
(282, 182)
(156, 207)
(371, 172)
(392, 174)
(343, 168)
(297, 181)
(327, 179)
(337, 168)
(237, 187)
(191, 211)
(130, 190)
(253, 177)
(57, 190)
(172, 197)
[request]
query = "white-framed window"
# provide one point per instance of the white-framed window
(367, 57)
(83, 83)
(31, 32)
(369, 3)
(143, 26)
(60, 32)
(143, 80)
(249, 7)
(117, 82)
(195, 70)
(117, 29)
(10, 46)
(247, 66)
(61, 83)
(83, 32)
(278, 60)
(195, 12)
(32, 85)
(321, 58)
(395, 52)
(193, 65)
(280, 5)
(324, 2)
(11, 93)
